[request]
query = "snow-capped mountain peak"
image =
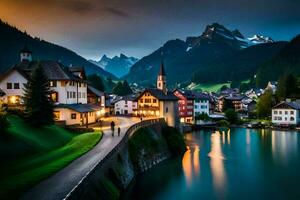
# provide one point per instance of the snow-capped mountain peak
(258, 39)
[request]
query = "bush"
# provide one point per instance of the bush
(203, 116)
(223, 123)
(174, 140)
(232, 116)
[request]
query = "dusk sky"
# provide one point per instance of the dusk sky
(135, 27)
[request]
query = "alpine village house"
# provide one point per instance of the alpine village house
(75, 102)
(159, 102)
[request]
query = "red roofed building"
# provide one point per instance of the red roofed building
(185, 105)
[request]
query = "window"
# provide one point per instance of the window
(167, 109)
(280, 112)
(141, 101)
(286, 112)
(74, 94)
(9, 85)
(54, 96)
(53, 83)
(147, 100)
(154, 100)
(292, 112)
(275, 112)
(79, 94)
(73, 116)
(79, 84)
(16, 86)
(292, 119)
(68, 95)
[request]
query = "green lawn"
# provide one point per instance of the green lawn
(207, 86)
(33, 154)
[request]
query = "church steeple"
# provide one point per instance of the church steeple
(161, 79)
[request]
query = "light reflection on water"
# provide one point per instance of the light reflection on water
(235, 164)
(217, 160)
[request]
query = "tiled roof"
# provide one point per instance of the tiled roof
(201, 95)
(53, 70)
(284, 104)
(81, 108)
(186, 93)
(95, 91)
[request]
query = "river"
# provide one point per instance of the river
(236, 164)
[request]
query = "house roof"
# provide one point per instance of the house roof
(186, 93)
(234, 97)
(125, 98)
(159, 94)
(201, 95)
(53, 70)
(81, 108)
(25, 50)
(97, 92)
(284, 104)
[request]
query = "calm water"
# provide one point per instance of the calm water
(238, 164)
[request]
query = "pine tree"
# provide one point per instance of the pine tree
(126, 88)
(38, 106)
(122, 89)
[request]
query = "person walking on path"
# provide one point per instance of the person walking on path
(119, 131)
(112, 126)
(141, 119)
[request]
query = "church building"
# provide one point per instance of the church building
(159, 102)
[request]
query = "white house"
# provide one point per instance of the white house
(272, 85)
(68, 87)
(201, 104)
(286, 113)
(125, 105)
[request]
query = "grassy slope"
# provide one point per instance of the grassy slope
(48, 150)
(208, 87)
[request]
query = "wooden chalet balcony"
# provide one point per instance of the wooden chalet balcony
(146, 107)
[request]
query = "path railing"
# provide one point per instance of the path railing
(128, 134)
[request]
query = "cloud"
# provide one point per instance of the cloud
(116, 12)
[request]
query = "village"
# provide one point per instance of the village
(78, 103)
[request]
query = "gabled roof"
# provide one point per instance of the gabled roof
(81, 108)
(186, 93)
(202, 96)
(25, 50)
(160, 95)
(284, 104)
(53, 70)
(95, 91)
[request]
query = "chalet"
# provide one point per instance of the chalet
(231, 101)
(185, 105)
(68, 89)
(125, 105)
(158, 102)
(286, 113)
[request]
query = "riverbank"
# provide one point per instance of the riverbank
(145, 147)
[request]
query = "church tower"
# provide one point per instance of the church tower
(161, 79)
(26, 54)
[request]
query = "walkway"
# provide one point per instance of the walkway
(61, 184)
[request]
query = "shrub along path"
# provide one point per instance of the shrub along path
(29, 155)
(60, 184)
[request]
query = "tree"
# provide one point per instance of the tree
(287, 87)
(224, 87)
(244, 87)
(231, 116)
(122, 89)
(96, 82)
(234, 84)
(203, 116)
(264, 105)
(127, 88)
(38, 106)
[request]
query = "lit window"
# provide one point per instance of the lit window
(53, 83)
(73, 116)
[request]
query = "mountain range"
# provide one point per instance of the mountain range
(118, 65)
(13, 40)
(217, 55)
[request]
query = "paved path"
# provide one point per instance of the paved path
(61, 183)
